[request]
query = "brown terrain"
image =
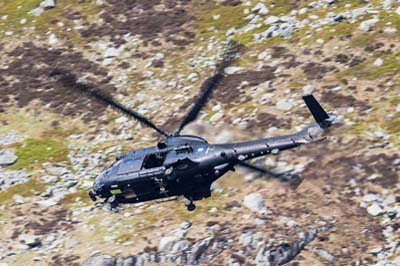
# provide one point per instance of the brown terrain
(152, 56)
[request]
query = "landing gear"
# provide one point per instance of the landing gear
(190, 205)
(114, 203)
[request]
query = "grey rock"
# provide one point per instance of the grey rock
(324, 254)
(340, 17)
(47, 203)
(71, 183)
(266, 34)
(232, 70)
(102, 260)
(246, 238)
(111, 52)
(166, 243)
(285, 30)
(313, 5)
(7, 157)
(271, 20)
(180, 246)
(129, 261)
(375, 209)
(71, 243)
(358, 12)
(389, 30)
(45, 5)
(10, 138)
(368, 24)
(284, 105)
(284, 253)
(199, 248)
(11, 177)
(330, 2)
(18, 199)
(48, 4)
(254, 202)
(30, 240)
(308, 89)
(260, 8)
(57, 170)
(185, 225)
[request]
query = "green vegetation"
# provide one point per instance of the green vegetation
(71, 197)
(229, 17)
(27, 189)
(16, 10)
(37, 151)
(362, 40)
(392, 126)
(283, 7)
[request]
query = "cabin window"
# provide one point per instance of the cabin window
(153, 160)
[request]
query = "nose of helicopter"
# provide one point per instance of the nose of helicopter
(97, 187)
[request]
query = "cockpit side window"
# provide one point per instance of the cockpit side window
(130, 165)
(153, 160)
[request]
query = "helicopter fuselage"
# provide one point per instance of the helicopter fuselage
(184, 165)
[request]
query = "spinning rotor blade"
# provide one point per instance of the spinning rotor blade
(259, 169)
(69, 80)
(230, 54)
(286, 177)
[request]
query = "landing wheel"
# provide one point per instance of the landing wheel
(191, 207)
(113, 202)
(189, 204)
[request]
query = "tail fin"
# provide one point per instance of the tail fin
(319, 114)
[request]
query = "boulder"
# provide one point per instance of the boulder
(48, 4)
(7, 157)
(284, 105)
(53, 39)
(29, 240)
(367, 25)
(18, 199)
(271, 20)
(102, 260)
(111, 52)
(232, 70)
(260, 8)
(166, 243)
(375, 209)
(378, 62)
(254, 202)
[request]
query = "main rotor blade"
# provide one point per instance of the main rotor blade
(230, 54)
(293, 179)
(69, 80)
(259, 169)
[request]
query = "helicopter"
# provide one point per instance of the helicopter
(187, 165)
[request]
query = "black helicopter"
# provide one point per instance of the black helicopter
(182, 164)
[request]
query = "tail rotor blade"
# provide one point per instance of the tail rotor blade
(69, 80)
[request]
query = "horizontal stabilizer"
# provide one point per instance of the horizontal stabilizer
(317, 111)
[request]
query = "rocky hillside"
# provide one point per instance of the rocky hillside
(153, 55)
